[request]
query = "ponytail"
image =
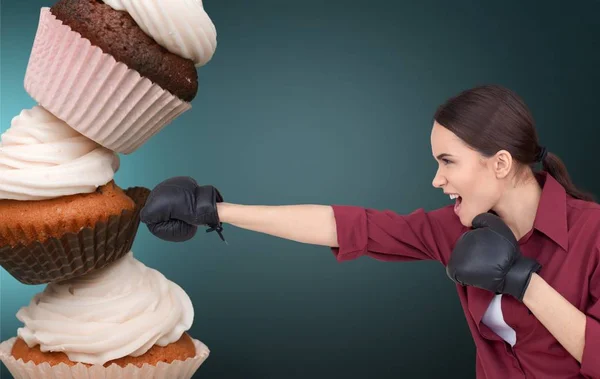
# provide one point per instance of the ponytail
(555, 167)
(490, 118)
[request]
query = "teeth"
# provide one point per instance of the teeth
(453, 196)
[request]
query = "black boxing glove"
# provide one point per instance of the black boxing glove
(176, 206)
(489, 257)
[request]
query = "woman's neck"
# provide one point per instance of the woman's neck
(519, 205)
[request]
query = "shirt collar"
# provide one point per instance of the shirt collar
(551, 215)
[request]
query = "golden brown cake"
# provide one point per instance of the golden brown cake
(124, 321)
(179, 350)
(27, 221)
(61, 213)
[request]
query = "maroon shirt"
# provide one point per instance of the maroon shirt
(565, 239)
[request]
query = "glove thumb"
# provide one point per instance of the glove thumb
(172, 230)
(488, 220)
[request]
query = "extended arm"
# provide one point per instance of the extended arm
(177, 206)
(307, 223)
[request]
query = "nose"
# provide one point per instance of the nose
(438, 180)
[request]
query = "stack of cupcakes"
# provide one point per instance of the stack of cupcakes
(107, 76)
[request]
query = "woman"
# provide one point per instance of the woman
(522, 246)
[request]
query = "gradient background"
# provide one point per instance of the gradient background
(332, 102)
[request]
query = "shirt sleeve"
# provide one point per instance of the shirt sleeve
(590, 362)
(388, 236)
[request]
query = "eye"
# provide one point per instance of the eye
(446, 161)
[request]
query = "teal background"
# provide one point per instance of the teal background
(332, 102)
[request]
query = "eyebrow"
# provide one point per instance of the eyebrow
(443, 155)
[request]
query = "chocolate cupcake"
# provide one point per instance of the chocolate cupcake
(118, 73)
(117, 34)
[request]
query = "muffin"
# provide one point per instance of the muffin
(118, 34)
(61, 212)
(125, 320)
(181, 350)
(119, 71)
(25, 222)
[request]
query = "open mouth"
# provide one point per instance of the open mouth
(457, 204)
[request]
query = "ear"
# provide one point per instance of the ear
(502, 164)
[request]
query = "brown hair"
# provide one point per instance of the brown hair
(491, 118)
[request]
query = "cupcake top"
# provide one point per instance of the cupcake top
(180, 26)
(120, 310)
(41, 157)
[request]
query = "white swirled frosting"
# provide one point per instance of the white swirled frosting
(120, 310)
(41, 157)
(181, 26)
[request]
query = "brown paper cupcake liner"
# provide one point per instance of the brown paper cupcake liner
(76, 254)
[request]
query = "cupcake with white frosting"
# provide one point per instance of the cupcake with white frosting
(61, 213)
(123, 321)
(119, 71)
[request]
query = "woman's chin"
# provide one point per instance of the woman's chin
(467, 224)
(459, 212)
(465, 218)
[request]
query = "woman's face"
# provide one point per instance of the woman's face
(464, 172)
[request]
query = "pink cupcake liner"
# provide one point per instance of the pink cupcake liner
(88, 89)
(174, 370)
